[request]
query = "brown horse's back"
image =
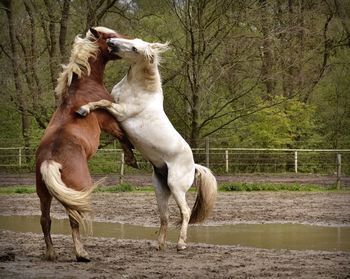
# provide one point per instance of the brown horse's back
(70, 141)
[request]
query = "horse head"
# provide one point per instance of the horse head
(100, 35)
(86, 52)
(136, 50)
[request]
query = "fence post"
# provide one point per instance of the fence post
(296, 161)
(226, 160)
(20, 156)
(207, 152)
(122, 161)
(338, 170)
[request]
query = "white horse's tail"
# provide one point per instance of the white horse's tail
(77, 203)
(206, 194)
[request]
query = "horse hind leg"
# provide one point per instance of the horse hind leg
(179, 185)
(45, 221)
(180, 198)
(80, 252)
(162, 193)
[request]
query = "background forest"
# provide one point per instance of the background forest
(243, 73)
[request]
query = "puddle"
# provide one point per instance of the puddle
(269, 236)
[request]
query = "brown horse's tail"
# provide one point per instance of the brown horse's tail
(77, 203)
(206, 196)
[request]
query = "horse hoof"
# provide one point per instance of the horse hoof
(161, 248)
(181, 247)
(82, 112)
(133, 164)
(82, 259)
(50, 257)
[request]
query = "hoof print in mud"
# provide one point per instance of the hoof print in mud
(7, 257)
(83, 260)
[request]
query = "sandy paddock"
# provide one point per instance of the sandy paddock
(21, 253)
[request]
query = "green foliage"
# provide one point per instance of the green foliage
(10, 130)
(332, 103)
(290, 124)
(215, 77)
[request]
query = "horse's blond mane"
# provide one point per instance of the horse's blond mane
(153, 51)
(149, 66)
(83, 49)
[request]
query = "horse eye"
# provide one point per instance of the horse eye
(134, 49)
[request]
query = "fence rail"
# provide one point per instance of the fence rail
(220, 160)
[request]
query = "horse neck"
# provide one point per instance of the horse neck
(94, 80)
(146, 75)
(87, 88)
(97, 69)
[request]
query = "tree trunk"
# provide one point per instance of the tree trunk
(52, 45)
(266, 51)
(31, 73)
(22, 104)
(63, 30)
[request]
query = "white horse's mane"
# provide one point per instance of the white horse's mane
(148, 68)
(153, 51)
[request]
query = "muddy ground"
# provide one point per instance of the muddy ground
(21, 253)
(7, 179)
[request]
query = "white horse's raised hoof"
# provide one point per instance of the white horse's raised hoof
(83, 111)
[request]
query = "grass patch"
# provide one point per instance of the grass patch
(224, 187)
(102, 189)
(17, 190)
(116, 189)
(124, 187)
(231, 187)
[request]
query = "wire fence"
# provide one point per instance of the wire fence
(220, 160)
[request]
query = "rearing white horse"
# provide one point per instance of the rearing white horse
(139, 109)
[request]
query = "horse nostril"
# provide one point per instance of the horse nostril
(110, 43)
(113, 46)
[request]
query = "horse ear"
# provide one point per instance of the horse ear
(151, 59)
(94, 32)
(159, 47)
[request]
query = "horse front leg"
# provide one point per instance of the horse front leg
(129, 154)
(115, 109)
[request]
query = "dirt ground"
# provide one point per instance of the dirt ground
(7, 179)
(21, 253)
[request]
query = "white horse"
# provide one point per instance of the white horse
(139, 109)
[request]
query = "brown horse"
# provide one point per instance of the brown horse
(69, 141)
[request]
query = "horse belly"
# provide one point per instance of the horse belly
(155, 140)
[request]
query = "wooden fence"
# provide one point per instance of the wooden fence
(221, 160)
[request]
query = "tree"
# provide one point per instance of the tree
(231, 63)
(14, 58)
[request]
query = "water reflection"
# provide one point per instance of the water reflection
(270, 236)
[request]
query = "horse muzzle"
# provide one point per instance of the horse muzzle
(113, 45)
